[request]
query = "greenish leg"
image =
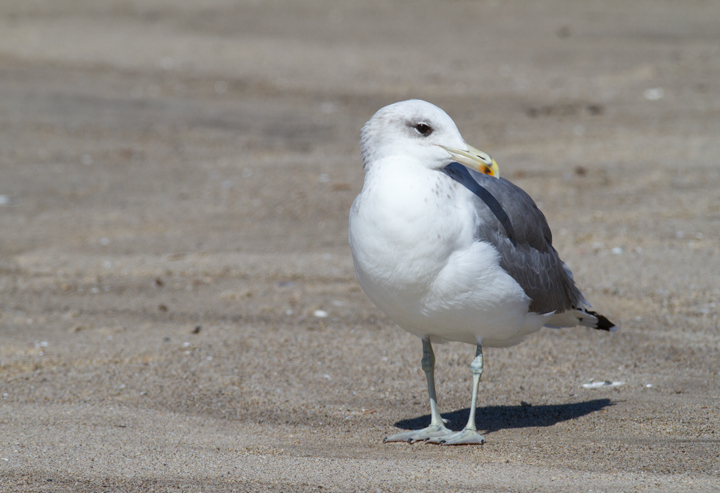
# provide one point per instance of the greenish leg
(469, 435)
(437, 427)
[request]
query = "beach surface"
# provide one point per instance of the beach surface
(178, 306)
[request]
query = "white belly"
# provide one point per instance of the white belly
(416, 258)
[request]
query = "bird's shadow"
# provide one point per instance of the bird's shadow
(494, 418)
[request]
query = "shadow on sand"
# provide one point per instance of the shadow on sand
(494, 418)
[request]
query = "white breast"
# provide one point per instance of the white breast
(412, 238)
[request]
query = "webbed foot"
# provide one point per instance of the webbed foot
(464, 437)
(429, 433)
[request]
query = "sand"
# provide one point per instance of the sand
(175, 179)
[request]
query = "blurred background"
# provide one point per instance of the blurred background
(175, 181)
(221, 114)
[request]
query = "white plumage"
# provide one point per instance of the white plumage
(439, 261)
(412, 238)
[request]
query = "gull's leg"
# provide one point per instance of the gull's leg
(469, 435)
(437, 423)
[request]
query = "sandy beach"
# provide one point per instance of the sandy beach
(178, 306)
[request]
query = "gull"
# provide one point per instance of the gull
(452, 252)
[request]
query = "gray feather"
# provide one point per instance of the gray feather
(508, 219)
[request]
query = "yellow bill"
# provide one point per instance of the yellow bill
(475, 159)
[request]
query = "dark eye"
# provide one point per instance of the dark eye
(423, 129)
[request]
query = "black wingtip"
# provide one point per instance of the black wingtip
(603, 322)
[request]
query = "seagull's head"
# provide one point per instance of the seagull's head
(422, 132)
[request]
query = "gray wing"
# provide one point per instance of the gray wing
(509, 220)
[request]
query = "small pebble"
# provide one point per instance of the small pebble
(320, 313)
(654, 93)
(605, 383)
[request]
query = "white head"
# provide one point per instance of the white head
(420, 130)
